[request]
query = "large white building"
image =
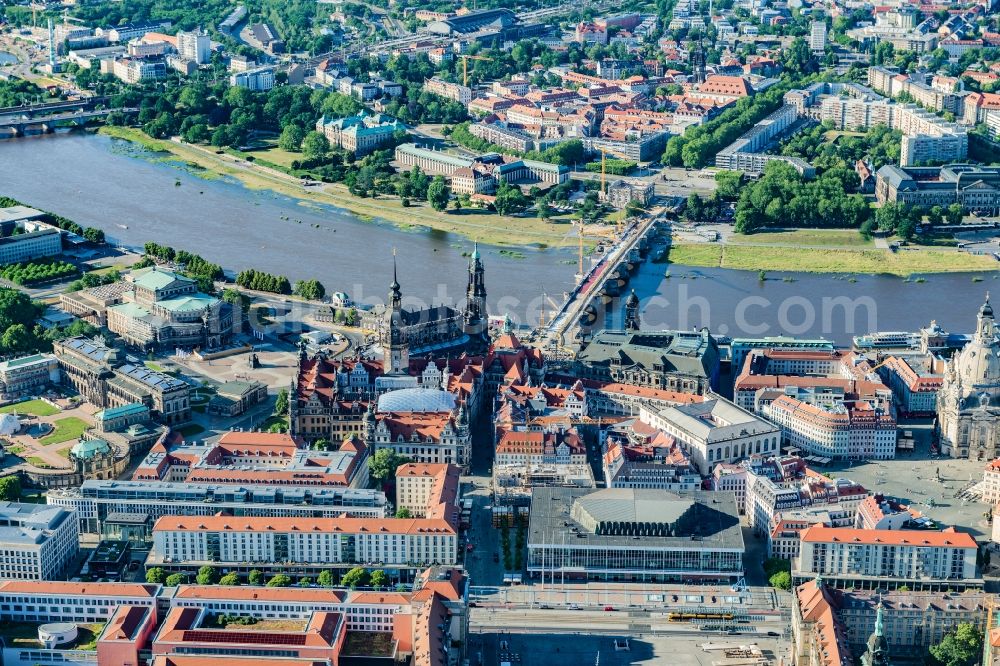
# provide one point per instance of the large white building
(96, 500)
(301, 544)
(841, 431)
(195, 46)
(39, 240)
(919, 559)
(715, 431)
(817, 36)
(37, 542)
(259, 78)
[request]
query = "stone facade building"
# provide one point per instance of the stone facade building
(968, 407)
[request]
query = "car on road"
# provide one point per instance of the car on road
(576, 607)
(609, 608)
(773, 633)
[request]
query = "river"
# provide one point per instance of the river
(110, 184)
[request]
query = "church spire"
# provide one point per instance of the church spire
(475, 317)
(877, 652)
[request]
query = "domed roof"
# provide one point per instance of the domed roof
(416, 400)
(85, 450)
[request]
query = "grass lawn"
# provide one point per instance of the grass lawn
(155, 367)
(33, 407)
(14, 450)
(272, 153)
(903, 263)
(66, 429)
(37, 462)
(190, 430)
(805, 237)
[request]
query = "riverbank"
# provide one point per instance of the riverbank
(488, 228)
(904, 262)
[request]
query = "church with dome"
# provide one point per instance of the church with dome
(968, 407)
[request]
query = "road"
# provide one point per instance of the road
(674, 186)
(598, 621)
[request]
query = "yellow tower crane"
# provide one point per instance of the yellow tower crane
(465, 66)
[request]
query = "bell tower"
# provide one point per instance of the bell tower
(396, 353)
(475, 319)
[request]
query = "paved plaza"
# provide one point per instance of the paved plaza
(929, 484)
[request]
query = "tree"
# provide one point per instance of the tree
(173, 580)
(230, 579)
(291, 138)
(156, 576)
(379, 579)
(255, 577)
(315, 146)
(890, 215)
(694, 209)
(321, 444)
(326, 578)
(279, 580)
(438, 193)
(403, 512)
(305, 581)
(281, 403)
(798, 58)
(728, 184)
(93, 235)
(781, 580)
(954, 214)
(17, 338)
(509, 199)
(10, 488)
(312, 290)
(962, 647)
(206, 576)
(935, 215)
(382, 466)
(356, 577)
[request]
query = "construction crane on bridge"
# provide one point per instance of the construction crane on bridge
(465, 66)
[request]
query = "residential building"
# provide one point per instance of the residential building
(990, 493)
(777, 486)
(631, 534)
(98, 504)
(27, 376)
(134, 70)
(37, 542)
(839, 431)
(715, 431)
(866, 559)
(830, 625)
(817, 36)
(453, 91)
(258, 78)
(362, 133)
(915, 382)
(879, 512)
(195, 46)
(302, 546)
(659, 464)
(427, 489)
(747, 152)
